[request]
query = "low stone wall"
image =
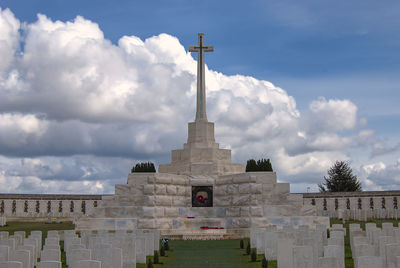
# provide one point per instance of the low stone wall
(43, 205)
(355, 205)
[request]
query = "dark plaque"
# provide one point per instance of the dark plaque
(202, 196)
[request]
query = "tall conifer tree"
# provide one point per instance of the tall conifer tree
(340, 179)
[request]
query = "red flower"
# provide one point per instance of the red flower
(201, 199)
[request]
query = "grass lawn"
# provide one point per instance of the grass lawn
(213, 253)
(11, 227)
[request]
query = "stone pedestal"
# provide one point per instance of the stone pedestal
(201, 155)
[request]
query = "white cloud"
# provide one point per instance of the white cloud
(9, 38)
(19, 130)
(75, 108)
(380, 176)
(333, 115)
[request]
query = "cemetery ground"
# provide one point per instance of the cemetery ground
(211, 253)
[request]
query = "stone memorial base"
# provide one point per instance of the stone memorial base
(172, 203)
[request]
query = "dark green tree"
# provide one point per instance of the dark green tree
(150, 264)
(143, 167)
(253, 256)
(340, 179)
(264, 263)
(156, 259)
(259, 165)
(251, 165)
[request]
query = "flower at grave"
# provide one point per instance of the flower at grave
(201, 199)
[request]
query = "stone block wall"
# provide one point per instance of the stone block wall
(164, 201)
(40, 206)
(368, 203)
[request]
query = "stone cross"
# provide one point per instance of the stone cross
(201, 83)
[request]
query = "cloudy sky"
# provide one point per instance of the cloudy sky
(88, 88)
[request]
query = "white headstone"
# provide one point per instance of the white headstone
(354, 226)
(336, 252)
(140, 249)
(48, 264)
(3, 235)
(260, 243)
(369, 262)
(10, 242)
(157, 237)
(37, 235)
(47, 247)
(336, 233)
(383, 241)
(302, 257)
(338, 227)
(4, 253)
(50, 255)
(53, 233)
(34, 243)
(359, 240)
(128, 244)
(3, 221)
(374, 236)
(285, 253)
(270, 242)
(11, 264)
(392, 251)
(363, 250)
(312, 243)
(339, 241)
(74, 246)
(95, 240)
(354, 234)
(328, 262)
(21, 236)
(68, 233)
(23, 256)
(87, 264)
(77, 255)
(109, 257)
(52, 241)
(31, 250)
(129, 265)
(387, 228)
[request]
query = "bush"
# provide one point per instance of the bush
(259, 165)
(241, 244)
(143, 167)
(253, 256)
(264, 263)
(162, 251)
(248, 249)
(156, 261)
(150, 264)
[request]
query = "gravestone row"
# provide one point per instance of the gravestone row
(373, 248)
(99, 249)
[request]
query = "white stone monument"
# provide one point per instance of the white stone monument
(201, 193)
